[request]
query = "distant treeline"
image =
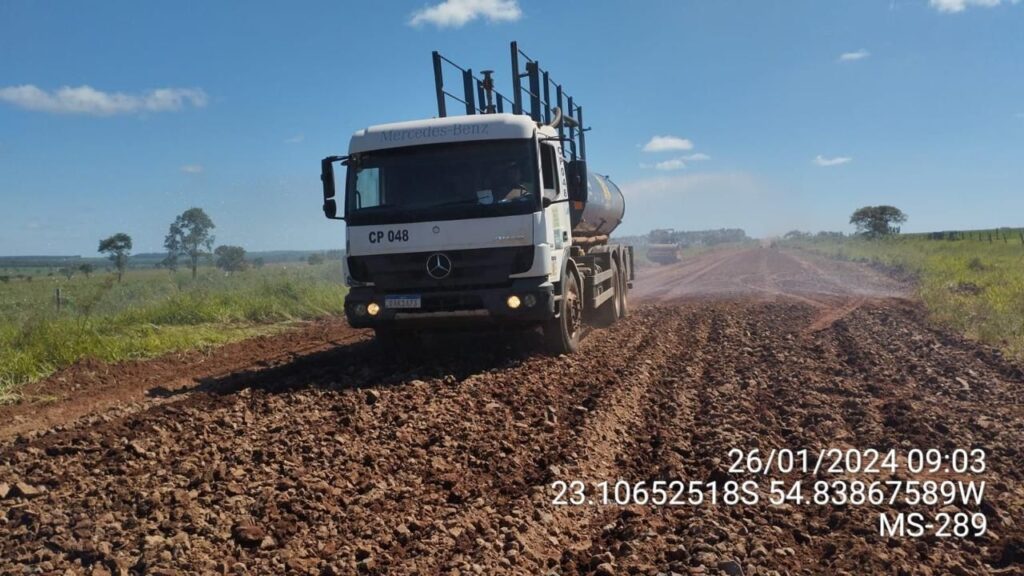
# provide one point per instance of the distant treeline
(1005, 235)
(686, 238)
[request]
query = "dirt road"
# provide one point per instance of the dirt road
(333, 459)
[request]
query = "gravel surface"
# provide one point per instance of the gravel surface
(340, 460)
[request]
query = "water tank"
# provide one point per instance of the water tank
(602, 211)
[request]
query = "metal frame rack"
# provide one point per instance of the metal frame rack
(479, 97)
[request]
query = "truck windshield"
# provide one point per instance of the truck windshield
(443, 182)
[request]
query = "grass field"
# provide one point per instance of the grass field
(970, 284)
(151, 312)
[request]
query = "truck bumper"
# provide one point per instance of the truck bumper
(468, 307)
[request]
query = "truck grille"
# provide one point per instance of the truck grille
(482, 268)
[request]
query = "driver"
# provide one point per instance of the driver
(508, 183)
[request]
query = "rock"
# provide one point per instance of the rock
(27, 490)
(677, 554)
(958, 570)
(604, 569)
(248, 534)
(402, 533)
(372, 396)
(5, 489)
(1010, 551)
(731, 567)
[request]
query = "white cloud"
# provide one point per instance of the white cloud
(854, 56)
(192, 168)
(667, 143)
(838, 160)
(674, 164)
(458, 13)
(88, 100)
(677, 163)
(295, 139)
(954, 6)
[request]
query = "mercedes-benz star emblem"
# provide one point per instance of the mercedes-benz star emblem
(439, 266)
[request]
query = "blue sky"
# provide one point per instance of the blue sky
(772, 115)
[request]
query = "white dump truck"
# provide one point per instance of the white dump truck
(490, 218)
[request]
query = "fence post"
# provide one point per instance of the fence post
(59, 298)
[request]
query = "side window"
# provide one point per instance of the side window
(548, 170)
(368, 188)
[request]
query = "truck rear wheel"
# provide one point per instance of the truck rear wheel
(611, 309)
(623, 296)
(562, 334)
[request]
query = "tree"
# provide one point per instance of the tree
(315, 259)
(190, 236)
(67, 272)
(117, 248)
(258, 262)
(170, 261)
(231, 258)
(86, 269)
(875, 221)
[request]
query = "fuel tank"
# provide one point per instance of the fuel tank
(602, 211)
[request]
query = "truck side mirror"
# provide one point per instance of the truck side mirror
(327, 179)
(331, 209)
(576, 175)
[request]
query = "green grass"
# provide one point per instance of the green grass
(972, 285)
(150, 313)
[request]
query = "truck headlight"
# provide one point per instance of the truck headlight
(513, 302)
(373, 308)
(530, 300)
(360, 309)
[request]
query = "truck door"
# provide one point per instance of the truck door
(557, 221)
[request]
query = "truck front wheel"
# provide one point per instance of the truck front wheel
(562, 334)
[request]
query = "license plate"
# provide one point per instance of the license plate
(402, 302)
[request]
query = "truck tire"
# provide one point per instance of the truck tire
(623, 295)
(611, 309)
(562, 334)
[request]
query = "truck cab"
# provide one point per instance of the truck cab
(436, 207)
